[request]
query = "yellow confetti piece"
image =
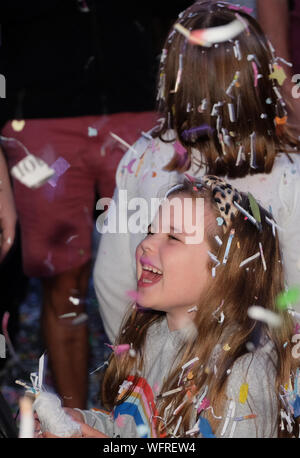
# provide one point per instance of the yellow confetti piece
(190, 375)
(243, 393)
(226, 347)
(18, 125)
(278, 74)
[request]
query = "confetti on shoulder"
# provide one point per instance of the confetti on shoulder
(116, 137)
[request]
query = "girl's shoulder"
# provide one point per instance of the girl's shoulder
(257, 365)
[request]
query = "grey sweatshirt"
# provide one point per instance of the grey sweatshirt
(132, 419)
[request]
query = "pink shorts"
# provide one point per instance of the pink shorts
(56, 219)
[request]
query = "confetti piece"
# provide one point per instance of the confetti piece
(179, 148)
(246, 417)
(254, 207)
(60, 166)
(196, 132)
(81, 318)
(129, 166)
(267, 316)
(106, 363)
(116, 137)
(177, 426)
(207, 37)
(242, 210)
(168, 393)
(226, 347)
(218, 240)
(243, 393)
(241, 156)
(119, 349)
(18, 125)
(92, 132)
(133, 294)
(72, 237)
(179, 407)
(68, 315)
(237, 50)
(253, 151)
(289, 297)
(220, 221)
(141, 161)
(230, 238)
(234, 83)
(231, 112)
(255, 72)
(278, 74)
(179, 73)
(120, 421)
(262, 256)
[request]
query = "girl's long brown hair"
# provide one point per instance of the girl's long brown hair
(206, 75)
(238, 289)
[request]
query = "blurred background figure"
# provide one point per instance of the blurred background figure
(280, 20)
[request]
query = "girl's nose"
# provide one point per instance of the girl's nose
(149, 243)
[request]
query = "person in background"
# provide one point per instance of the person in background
(280, 20)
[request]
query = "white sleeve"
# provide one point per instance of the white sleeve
(114, 270)
(289, 219)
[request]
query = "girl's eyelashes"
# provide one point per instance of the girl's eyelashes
(149, 231)
(171, 237)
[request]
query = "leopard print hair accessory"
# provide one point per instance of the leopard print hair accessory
(224, 195)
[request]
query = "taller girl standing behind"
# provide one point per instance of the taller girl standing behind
(222, 114)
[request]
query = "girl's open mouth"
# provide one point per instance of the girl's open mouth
(149, 277)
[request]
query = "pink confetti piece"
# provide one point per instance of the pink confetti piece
(204, 405)
(133, 294)
(241, 8)
(60, 166)
(179, 148)
(255, 71)
(120, 421)
(129, 166)
(119, 349)
(156, 387)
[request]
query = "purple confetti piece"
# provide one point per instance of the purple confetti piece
(60, 166)
(197, 131)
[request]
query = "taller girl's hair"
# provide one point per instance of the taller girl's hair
(234, 287)
(220, 100)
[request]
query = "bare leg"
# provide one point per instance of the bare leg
(67, 345)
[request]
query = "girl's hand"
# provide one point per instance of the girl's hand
(86, 430)
(74, 414)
